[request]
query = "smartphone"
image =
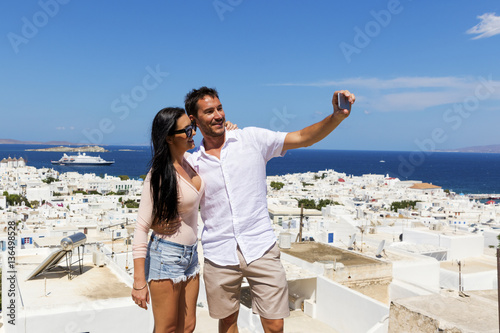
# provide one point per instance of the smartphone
(344, 102)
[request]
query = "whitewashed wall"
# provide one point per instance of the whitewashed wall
(472, 281)
(420, 272)
(348, 311)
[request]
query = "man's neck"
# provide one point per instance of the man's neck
(214, 142)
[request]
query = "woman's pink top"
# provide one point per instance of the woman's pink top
(189, 201)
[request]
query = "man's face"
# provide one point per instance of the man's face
(211, 117)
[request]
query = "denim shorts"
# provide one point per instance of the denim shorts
(169, 260)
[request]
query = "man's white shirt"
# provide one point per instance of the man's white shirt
(234, 207)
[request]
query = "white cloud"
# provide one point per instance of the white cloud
(414, 101)
(412, 93)
(489, 26)
(60, 128)
(375, 83)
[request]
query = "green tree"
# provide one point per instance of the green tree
(16, 199)
(124, 177)
(79, 191)
(277, 185)
(403, 204)
(49, 180)
(131, 204)
(323, 203)
(143, 177)
(308, 203)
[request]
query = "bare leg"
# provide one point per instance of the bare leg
(164, 301)
(272, 325)
(186, 317)
(229, 324)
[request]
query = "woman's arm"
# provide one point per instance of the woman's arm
(140, 291)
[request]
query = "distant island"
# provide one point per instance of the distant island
(493, 149)
(92, 149)
(50, 143)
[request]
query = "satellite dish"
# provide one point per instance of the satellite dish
(380, 248)
(351, 241)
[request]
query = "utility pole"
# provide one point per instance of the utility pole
(459, 276)
(112, 243)
(498, 281)
(299, 235)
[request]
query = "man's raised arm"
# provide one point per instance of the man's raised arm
(317, 132)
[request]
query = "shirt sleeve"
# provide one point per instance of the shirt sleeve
(269, 143)
(144, 221)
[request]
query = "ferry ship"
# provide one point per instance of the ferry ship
(82, 159)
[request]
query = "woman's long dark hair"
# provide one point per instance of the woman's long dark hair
(163, 174)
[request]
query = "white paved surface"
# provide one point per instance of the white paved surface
(298, 322)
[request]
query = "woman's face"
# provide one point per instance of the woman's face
(180, 140)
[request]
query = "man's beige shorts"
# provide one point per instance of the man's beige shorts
(267, 280)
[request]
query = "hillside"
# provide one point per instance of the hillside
(476, 149)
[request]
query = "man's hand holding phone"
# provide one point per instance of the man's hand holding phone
(342, 101)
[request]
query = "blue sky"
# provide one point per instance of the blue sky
(425, 73)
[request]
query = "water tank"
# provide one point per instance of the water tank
(285, 240)
(98, 258)
(73, 241)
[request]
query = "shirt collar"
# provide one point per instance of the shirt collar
(230, 136)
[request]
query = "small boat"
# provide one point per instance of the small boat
(82, 160)
(382, 161)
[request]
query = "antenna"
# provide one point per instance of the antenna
(351, 241)
(380, 248)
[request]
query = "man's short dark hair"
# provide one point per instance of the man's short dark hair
(192, 98)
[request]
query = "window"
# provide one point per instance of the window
(26, 240)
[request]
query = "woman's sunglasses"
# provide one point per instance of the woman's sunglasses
(188, 130)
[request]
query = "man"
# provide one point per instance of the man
(238, 240)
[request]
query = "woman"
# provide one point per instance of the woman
(171, 194)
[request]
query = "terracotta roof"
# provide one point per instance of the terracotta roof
(3, 161)
(424, 186)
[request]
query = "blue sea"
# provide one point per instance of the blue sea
(459, 172)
